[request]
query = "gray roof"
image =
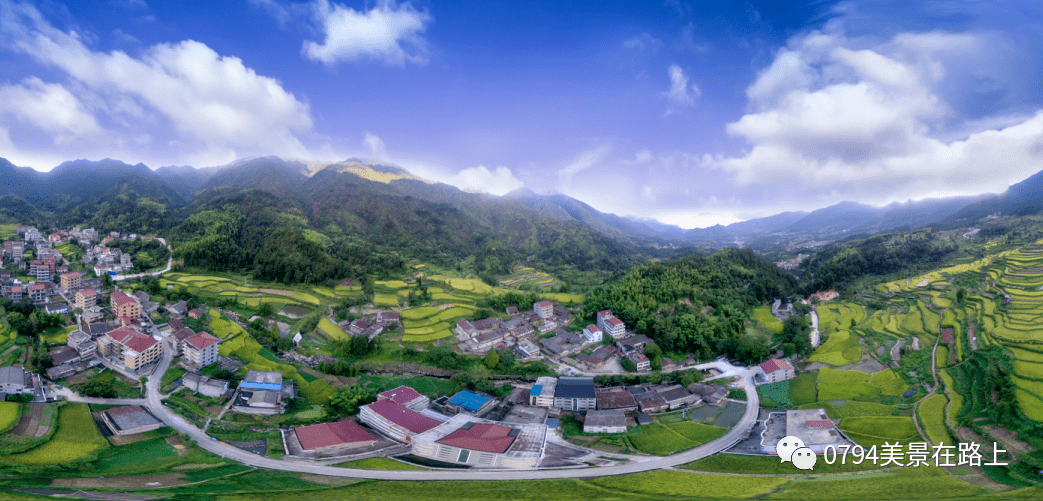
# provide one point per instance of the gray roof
(12, 375)
(613, 417)
(130, 417)
(574, 387)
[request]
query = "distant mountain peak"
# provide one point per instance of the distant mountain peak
(371, 170)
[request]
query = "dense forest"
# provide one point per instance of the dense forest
(695, 305)
(841, 264)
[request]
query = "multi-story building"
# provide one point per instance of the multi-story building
(593, 334)
(542, 393)
(82, 342)
(85, 298)
(134, 349)
(200, 351)
(124, 305)
(37, 292)
(544, 309)
(575, 394)
(775, 370)
(71, 281)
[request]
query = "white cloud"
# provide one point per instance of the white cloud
(375, 145)
(680, 92)
(50, 107)
(643, 41)
(584, 161)
(217, 104)
(830, 114)
(388, 32)
(497, 181)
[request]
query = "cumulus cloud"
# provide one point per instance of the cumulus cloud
(50, 107)
(497, 181)
(215, 102)
(388, 32)
(375, 145)
(680, 93)
(832, 114)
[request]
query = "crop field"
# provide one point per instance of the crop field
(57, 334)
(875, 430)
(77, 437)
(956, 399)
(925, 482)
(776, 395)
(674, 483)
(149, 454)
(836, 384)
(802, 388)
(380, 464)
(10, 413)
(932, 418)
(841, 348)
(332, 330)
(762, 315)
(852, 408)
(385, 299)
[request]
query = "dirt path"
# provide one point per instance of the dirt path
(30, 421)
(972, 336)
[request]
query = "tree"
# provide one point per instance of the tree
(961, 294)
(143, 380)
(628, 365)
(96, 388)
(348, 399)
(265, 310)
(492, 359)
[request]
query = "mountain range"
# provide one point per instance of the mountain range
(358, 193)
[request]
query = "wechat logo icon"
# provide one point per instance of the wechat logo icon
(792, 449)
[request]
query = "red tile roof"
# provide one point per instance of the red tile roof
(483, 437)
(202, 340)
(614, 321)
(605, 313)
(403, 416)
(86, 292)
(544, 304)
(774, 364)
(36, 287)
(818, 423)
(401, 395)
(593, 328)
(121, 299)
(73, 275)
(327, 434)
(132, 339)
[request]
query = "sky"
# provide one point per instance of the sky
(693, 113)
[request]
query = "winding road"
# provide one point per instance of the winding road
(154, 404)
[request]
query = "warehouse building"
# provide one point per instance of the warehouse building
(466, 439)
(395, 420)
(609, 421)
(338, 436)
(130, 420)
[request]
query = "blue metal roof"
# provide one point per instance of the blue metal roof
(536, 389)
(262, 386)
(469, 401)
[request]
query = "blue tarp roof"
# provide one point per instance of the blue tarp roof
(261, 386)
(469, 400)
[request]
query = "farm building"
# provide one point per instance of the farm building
(205, 385)
(651, 401)
(812, 426)
(130, 420)
(404, 395)
(677, 396)
(465, 439)
(711, 393)
(334, 436)
(607, 421)
(263, 392)
(617, 398)
(773, 371)
(470, 402)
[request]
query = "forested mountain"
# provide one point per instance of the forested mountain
(653, 299)
(838, 265)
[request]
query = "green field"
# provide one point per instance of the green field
(841, 348)
(381, 464)
(10, 413)
(802, 388)
(876, 430)
(852, 408)
(931, 412)
(332, 330)
(76, 438)
(836, 384)
(147, 455)
(662, 440)
(763, 316)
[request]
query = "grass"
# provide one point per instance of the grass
(766, 465)
(57, 334)
(332, 330)
(875, 430)
(852, 408)
(426, 385)
(763, 316)
(675, 483)
(662, 440)
(137, 457)
(775, 395)
(76, 438)
(925, 482)
(381, 464)
(802, 388)
(932, 418)
(10, 413)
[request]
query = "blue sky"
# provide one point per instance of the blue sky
(692, 113)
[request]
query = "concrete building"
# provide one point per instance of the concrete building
(651, 401)
(605, 421)
(677, 396)
(64, 355)
(404, 395)
(200, 351)
(124, 305)
(575, 394)
(93, 314)
(710, 393)
(82, 342)
(71, 281)
(542, 393)
(544, 309)
(775, 370)
(473, 403)
(593, 334)
(37, 292)
(86, 298)
(395, 420)
(130, 420)
(616, 398)
(337, 436)
(466, 328)
(205, 385)
(811, 426)
(465, 439)
(610, 324)
(15, 380)
(263, 392)
(133, 349)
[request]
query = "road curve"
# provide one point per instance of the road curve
(227, 451)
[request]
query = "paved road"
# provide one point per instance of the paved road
(170, 263)
(154, 403)
(816, 336)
